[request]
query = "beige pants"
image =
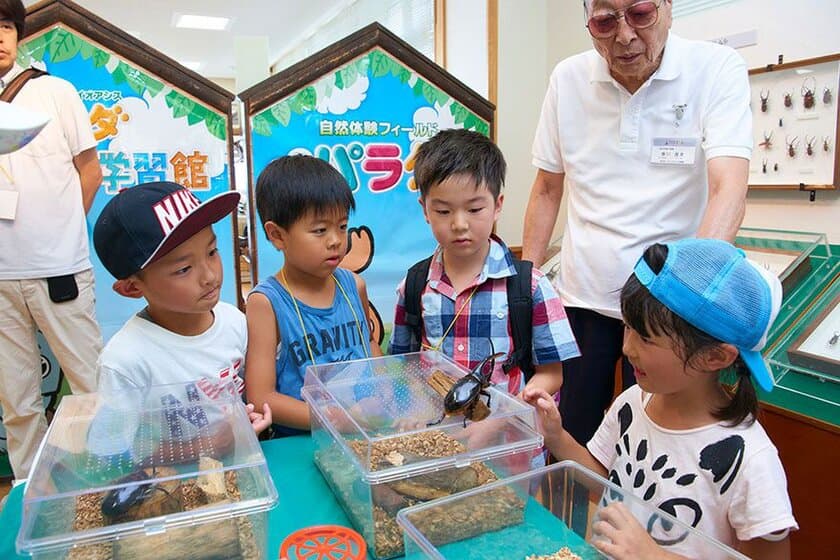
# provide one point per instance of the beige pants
(72, 332)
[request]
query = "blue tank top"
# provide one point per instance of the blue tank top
(332, 332)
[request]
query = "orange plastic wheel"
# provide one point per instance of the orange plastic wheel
(324, 542)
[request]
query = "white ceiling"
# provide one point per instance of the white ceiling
(284, 22)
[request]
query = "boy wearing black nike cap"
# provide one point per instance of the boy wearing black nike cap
(157, 240)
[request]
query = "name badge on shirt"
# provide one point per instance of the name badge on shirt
(673, 151)
(8, 205)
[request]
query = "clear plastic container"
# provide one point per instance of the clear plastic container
(542, 512)
(163, 472)
(377, 452)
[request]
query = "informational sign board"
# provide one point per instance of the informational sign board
(364, 105)
(153, 120)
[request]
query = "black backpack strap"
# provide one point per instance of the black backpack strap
(415, 282)
(520, 313)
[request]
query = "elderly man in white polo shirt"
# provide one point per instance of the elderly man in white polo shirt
(651, 135)
(46, 280)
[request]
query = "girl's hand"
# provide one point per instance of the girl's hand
(259, 421)
(622, 536)
(548, 417)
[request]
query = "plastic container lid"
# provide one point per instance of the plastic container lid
(365, 403)
(101, 444)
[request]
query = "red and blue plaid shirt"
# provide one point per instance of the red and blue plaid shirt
(484, 318)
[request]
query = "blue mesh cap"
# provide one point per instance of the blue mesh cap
(711, 284)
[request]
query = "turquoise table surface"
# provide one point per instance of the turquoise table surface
(306, 500)
(304, 497)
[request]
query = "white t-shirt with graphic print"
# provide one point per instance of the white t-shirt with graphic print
(727, 482)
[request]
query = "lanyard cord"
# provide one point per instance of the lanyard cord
(438, 346)
(300, 317)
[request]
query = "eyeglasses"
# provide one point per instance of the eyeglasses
(640, 15)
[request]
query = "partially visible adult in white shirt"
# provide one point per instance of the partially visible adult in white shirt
(46, 281)
(650, 135)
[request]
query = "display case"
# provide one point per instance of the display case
(795, 124)
(545, 514)
(169, 472)
(378, 452)
(786, 253)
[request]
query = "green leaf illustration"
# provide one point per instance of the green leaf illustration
(379, 63)
(459, 112)
(430, 92)
(34, 49)
(403, 75)
(282, 112)
(339, 81)
(349, 75)
(100, 58)
(216, 125)
(64, 46)
(418, 86)
(180, 105)
(260, 126)
(86, 50)
(197, 115)
(153, 86)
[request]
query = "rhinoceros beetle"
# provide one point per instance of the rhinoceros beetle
(119, 500)
(464, 394)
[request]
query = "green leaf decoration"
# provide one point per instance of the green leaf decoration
(308, 97)
(34, 49)
(198, 114)
(459, 112)
(64, 46)
(260, 126)
(216, 125)
(339, 80)
(483, 128)
(100, 58)
(430, 92)
(153, 86)
(418, 86)
(403, 75)
(349, 74)
(86, 50)
(134, 78)
(282, 112)
(379, 63)
(180, 105)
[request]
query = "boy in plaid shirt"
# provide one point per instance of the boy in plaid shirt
(464, 305)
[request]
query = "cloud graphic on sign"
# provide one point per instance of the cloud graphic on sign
(151, 128)
(338, 101)
(442, 117)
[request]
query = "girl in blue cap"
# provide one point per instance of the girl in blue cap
(679, 439)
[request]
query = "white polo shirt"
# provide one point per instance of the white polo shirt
(603, 139)
(48, 236)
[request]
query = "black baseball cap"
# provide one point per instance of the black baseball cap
(144, 223)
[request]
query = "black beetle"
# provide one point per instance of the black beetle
(464, 394)
(119, 500)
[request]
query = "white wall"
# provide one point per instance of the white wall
(466, 42)
(798, 29)
(535, 35)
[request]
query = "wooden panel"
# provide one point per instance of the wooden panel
(810, 455)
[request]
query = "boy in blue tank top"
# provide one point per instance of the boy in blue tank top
(311, 311)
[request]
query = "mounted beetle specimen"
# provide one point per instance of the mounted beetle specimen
(464, 394)
(826, 144)
(809, 145)
(775, 167)
(765, 97)
(808, 92)
(788, 99)
(791, 145)
(768, 140)
(827, 95)
(764, 166)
